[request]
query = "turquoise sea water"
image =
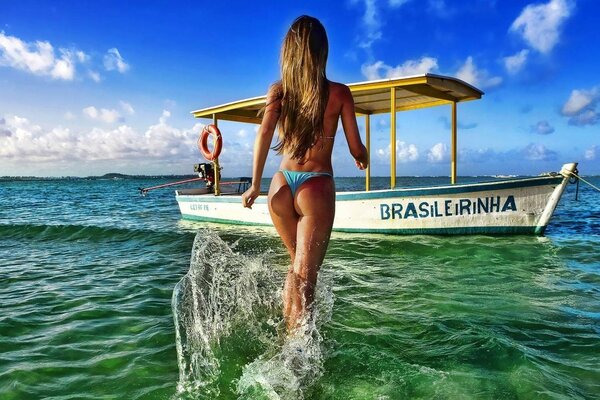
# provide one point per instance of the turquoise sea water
(88, 271)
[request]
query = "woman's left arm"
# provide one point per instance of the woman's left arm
(262, 143)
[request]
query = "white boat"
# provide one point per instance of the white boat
(511, 206)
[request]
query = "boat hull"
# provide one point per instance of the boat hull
(519, 206)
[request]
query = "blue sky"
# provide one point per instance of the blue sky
(88, 88)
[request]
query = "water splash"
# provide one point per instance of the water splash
(287, 372)
(228, 306)
(222, 292)
(290, 371)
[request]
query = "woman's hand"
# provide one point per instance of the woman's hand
(249, 196)
(360, 165)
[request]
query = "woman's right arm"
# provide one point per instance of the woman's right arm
(355, 145)
(262, 143)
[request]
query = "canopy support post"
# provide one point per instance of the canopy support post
(216, 166)
(453, 145)
(368, 141)
(393, 137)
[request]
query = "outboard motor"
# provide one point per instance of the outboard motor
(206, 171)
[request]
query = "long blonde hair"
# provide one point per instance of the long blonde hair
(304, 87)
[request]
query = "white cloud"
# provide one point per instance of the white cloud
(397, 3)
(531, 152)
(95, 76)
(69, 116)
(127, 107)
(38, 58)
(438, 153)
(372, 21)
(465, 125)
(114, 62)
(91, 112)
(460, 125)
(405, 152)
(371, 71)
(469, 73)
(587, 117)
(26, 141)
(102, 114)
(372, 24)
(508, 158)
(3, 130)
(166, 114)
(591, 153)
(81, 56)
(542, 128)
(481, 155)
(581, 107)
(538, 152)
(64, 68)
(540, 24)
(379, 69)
(515, 63)
(579, 100)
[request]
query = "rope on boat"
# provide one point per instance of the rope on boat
(579, 178)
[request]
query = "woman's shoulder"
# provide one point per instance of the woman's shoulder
(275, 90)
(274, 94)
(339, 91)
(337, 86)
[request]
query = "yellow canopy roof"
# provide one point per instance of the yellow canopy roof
(371, 97)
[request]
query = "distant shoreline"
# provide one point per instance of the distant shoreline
(117, 176)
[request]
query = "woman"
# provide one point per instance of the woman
(301, 199)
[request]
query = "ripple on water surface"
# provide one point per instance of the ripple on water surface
(86, 285)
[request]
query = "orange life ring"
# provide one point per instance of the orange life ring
(203, 142)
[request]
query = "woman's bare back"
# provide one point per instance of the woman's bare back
(318, 158)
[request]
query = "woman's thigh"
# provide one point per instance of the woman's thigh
(315, 204)
(283, 213)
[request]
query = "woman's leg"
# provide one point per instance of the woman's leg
(315, 204)
(304, 225)
(285, 219)
(283, 213)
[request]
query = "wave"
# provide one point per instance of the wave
(80, 232)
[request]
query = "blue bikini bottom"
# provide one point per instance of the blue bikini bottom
(295, 179)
